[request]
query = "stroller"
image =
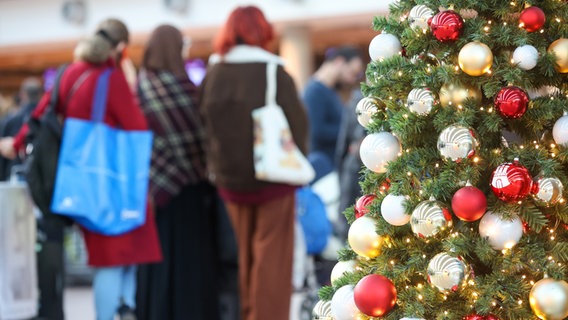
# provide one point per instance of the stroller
(316, 209)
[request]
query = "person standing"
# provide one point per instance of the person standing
(262, 213)
(30, 92)
(342, 67)
(182, 286)
(349, 163)
(114, 258)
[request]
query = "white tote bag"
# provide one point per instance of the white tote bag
(276, 155)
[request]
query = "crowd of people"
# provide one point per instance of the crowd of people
(201, 172)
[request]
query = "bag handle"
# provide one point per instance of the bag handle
(100, 98)
(270, 84)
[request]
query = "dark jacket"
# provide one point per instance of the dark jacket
(9, 127)
(232, 88)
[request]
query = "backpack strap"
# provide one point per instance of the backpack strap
(55, 89)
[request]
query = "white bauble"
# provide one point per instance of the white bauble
(501, 234)
(420, 101)
(343, 304)
(560, 131)
(419, 16)
(377, 149)
(384, 46)
(392, 210)
(342, 267)
(525, 57)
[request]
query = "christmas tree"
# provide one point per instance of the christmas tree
(464, 213)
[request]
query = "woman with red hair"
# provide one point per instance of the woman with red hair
(262, 213)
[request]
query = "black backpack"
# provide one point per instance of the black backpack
(43, 143)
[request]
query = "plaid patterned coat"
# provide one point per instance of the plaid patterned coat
(178, 156)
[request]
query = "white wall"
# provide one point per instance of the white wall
(29, 21)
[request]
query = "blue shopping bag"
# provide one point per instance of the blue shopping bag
(102, 174)
(312, 214)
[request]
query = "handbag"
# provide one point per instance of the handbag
(102, 174)
(276, 155)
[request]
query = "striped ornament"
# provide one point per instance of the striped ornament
(365, 110)
(446, 272)
(429, 218)
(322, 311)
(456, 143)
(420, 101)
(549, 191)
(419, 16)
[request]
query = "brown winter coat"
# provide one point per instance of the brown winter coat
(232, 88)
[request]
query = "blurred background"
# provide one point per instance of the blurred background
(38, 35)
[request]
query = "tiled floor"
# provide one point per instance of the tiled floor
(79, 305)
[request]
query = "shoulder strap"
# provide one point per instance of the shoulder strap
(76, 86)
(271, 83)
(55, 89)
(100, 96)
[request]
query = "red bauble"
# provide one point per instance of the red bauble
(362, 205)
(446, 25)
(480, 317)
(532, 19)
(512, 182)
(374, 295)
(469, 203)
(511, 102)
(385, 186)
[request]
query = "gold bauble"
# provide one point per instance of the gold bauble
(560, 49)
(475, 58)
(363, 237)
(549, 299)
(454, 95)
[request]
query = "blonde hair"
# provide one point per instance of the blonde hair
(94, 49)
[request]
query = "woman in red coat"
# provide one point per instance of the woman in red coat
(114, 257)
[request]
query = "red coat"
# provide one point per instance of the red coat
(140, 245)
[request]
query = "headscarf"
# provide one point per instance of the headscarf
(163, 51)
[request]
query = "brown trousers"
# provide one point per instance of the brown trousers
(265, 238)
